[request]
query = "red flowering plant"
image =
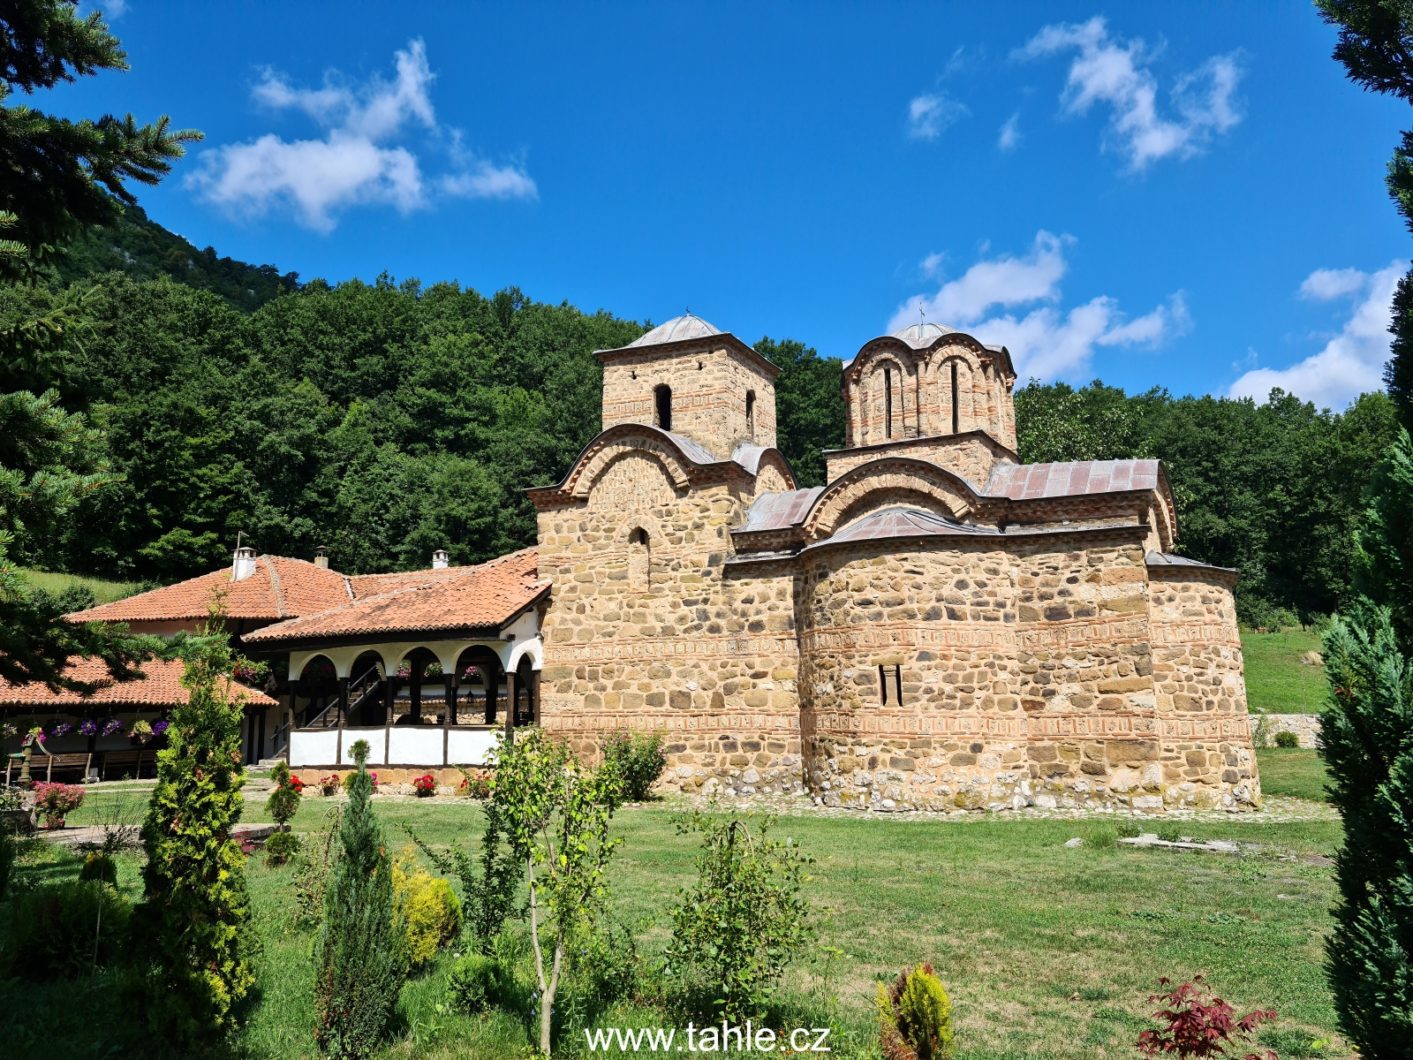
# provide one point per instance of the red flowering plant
(425, 786)
(56, 800)
(329, 783)
(475, 785)
(1199, 1024)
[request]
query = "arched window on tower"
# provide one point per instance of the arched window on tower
(887, 401)
(956, 408)
(662, 406)
(750, 415)
(640, 561)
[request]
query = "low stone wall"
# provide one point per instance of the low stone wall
(1305, 726)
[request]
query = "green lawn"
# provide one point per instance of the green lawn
(103, 591)
(1276, 680)
(1294, 771)
(1047, 951)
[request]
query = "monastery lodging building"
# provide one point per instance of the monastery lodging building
(938, 627)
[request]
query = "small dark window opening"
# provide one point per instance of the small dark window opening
(887, 401)
(890, 675)
(639, 561)
(662, 402)
(751, 415)
(956, 409)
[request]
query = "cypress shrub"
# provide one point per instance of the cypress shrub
(197, 908)
(361, 961)
(1367, 741)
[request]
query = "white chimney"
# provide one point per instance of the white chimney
(321, 557)
(244, 565)
(439, 559)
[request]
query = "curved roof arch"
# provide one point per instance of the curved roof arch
(894, 476)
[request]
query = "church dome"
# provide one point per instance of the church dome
(921, 336)
(678, 329)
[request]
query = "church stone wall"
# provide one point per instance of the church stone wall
(665, 643)
(1208, 759)
(971, 456)
(709, 386)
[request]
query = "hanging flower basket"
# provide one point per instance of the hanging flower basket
(88, 727)
(140, 732)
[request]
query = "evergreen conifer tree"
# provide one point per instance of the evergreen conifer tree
(197, 904)
(361, 963)
(1368, 746)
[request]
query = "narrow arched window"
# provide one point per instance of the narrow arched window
(640, 561)
(887, 401)
(956, 408)
(751, 415)
(662, 405)
(890, 676)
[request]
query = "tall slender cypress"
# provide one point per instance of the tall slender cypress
(1368, 746)
(361, 961)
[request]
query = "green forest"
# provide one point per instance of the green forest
(386, 419)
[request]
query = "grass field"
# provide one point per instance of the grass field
(103, 591)
(1295, 772)
(1276, 680)
(1047, 951)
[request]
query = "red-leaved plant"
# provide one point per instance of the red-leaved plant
(1199, 1024)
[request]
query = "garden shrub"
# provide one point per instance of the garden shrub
(53, 931)
(197, 908)
(280, 847)
(605, 963)
(638, 760)
(427, 906)
(57, 801)
(311, 871)
(475, 785)
(915, 1016)
(734, 933)
(283, 802)
(348, 783)
(100, 867)
(1197, 1024)
(425, 786)
(360, 962)
(479, 983)
(1287, 739)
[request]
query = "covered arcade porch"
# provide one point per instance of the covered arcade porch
(418, 703)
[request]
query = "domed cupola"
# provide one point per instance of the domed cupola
(689, 377)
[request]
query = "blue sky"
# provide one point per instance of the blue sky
(1186, 196)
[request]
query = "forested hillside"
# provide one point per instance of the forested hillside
(388, 419)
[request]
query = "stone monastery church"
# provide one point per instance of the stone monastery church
(940, 626)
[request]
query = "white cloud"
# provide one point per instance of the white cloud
(113, 9)
(1350, 363)
(1009, 137)
(358, 159)
(1045, 340)
(1323, 285)
(932, 264)
(1116, 73)
(930, 114)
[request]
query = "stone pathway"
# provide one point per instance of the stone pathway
(1275, 810)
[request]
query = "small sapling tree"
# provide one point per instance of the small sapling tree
(1197, 1024)
(734, 933)
(915, 1016)
(283, 804)
(361, 960)
(556, 814)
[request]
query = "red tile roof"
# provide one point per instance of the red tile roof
(160, 687)
(481, 597)
(1024, 482)
(279, 588)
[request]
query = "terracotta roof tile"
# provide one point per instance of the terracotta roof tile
(160, 687)
(279, 588)
(484, 596)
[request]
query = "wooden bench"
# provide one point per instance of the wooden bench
(41, 762)
(125, 760)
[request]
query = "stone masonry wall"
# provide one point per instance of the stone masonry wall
(709, 386)
(922, 403)
(971, 456)
(1208, 758)
(708, 661)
